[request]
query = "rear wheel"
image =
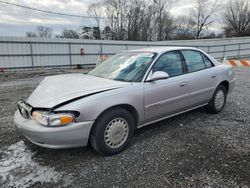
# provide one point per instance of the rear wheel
(112, 131)
(218, 101)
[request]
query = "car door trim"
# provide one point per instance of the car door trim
(202, 91)
(154, 121)
(164, 101)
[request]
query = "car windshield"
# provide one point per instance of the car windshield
(128, 67)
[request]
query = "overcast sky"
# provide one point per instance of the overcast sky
(15, 21)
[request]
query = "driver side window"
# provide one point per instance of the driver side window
(170, 63)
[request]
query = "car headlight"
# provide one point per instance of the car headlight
(52, 120)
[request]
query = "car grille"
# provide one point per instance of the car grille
(24, 109)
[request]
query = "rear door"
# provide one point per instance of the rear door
(202, 77)
(165, 97)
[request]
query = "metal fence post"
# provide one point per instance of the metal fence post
(70, 55)
(31, 55)
(100, 49)
(224, 51)
(239, 51)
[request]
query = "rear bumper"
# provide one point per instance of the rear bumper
(72, 135)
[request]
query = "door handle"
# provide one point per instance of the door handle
(183, 84)
(213, 76)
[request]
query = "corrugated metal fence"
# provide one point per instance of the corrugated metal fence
(16, 52)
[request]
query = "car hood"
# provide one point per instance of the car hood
(54, 90)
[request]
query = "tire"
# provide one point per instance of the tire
(112, 131)
(217, 104)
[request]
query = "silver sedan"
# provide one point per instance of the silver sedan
(130, 90)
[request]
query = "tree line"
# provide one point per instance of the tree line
(147, 20)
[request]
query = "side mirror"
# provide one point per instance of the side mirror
(158, 75)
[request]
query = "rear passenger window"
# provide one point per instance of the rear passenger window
(170, 63)
(208, 63)
(193, 60)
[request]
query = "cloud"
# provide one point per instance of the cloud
(15, 21)
(22, 20)
(182, 7)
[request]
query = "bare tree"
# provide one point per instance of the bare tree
(184, 28)
(237, 18)
(202, 16)
(31, 34)
(135, 19)
(68, 33)
(163, 21)
(147, 30)
(96, 10)
(44, 32)
(116, 11)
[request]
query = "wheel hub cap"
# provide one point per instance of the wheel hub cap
(219, 99)
(116, 132)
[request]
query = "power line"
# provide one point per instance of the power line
(49, 12)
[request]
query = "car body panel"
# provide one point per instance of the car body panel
(72, 135)
(54, 90)
(130, 95)
(91, 96)
(165, 97)
(202, 85)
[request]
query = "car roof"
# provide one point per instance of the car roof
(163, 49)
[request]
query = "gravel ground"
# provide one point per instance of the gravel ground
(195, 149)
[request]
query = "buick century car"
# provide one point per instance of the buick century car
(130, 90)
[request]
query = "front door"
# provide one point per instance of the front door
(169, 96)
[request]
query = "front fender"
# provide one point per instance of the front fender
(91, 107)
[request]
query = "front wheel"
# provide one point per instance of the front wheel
(112, 131)
(218, 101)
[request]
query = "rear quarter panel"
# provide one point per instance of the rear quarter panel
(226, 73)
